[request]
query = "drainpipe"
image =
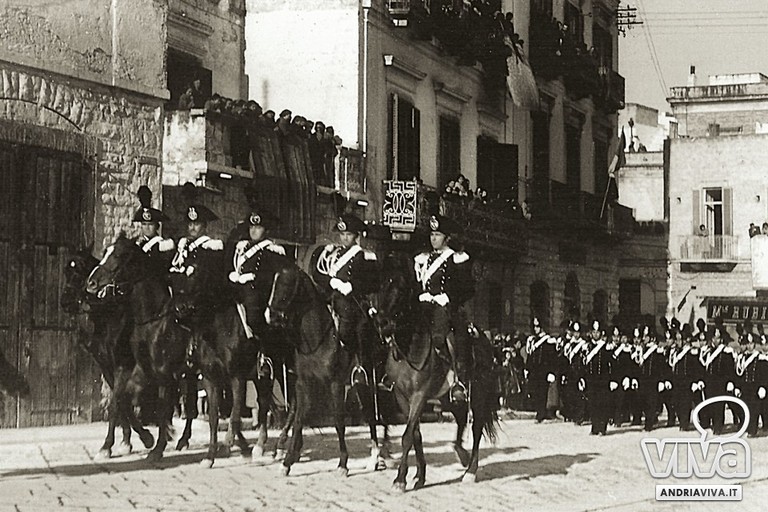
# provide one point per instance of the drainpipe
(366, 4)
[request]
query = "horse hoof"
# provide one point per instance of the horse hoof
(123, 449)
(381, 464)
(147, 439)
(258, 451)
(285, 470)
(206, 463)
(342, 472)
(104, 454)
(154, 456)
(246, 452)
(418, 484)
(182, 445)
(469, 478)
(462, 455)
(279, 454)
(399, 487)
(224, 451)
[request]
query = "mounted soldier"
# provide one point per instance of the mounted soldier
(159, 249)
(347, 274)
(444, 278)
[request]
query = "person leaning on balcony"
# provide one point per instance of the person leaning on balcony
(765, 228)
(193, 97)
(703, 231)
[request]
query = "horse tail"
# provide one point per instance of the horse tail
(490, 426)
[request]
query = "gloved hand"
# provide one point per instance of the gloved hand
(635, 385)
(441, 299)
(625, 383)
(582, 385)
(667, 385)
(551, 378)
(661, 387)
(761, 392)
(694, 387)
(737, 393)
(342, 287)
(614, 386)
(729, 387)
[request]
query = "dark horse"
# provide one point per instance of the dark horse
(322, 365)
(421, 371)
(157, 341)
(222, 350)
(103, 329)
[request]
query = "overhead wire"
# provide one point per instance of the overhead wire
(652, 50)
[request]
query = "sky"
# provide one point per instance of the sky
(717, 36)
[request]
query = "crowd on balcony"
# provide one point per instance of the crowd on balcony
(504, 201)
(755, 230)
(324, 145)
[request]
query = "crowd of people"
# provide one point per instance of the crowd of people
(619, 376)
(504, 201)
(324, 145)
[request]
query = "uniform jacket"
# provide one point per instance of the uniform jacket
(159, 250)
(685, 364)
(350, 270)
(447, 272)
(598, 360)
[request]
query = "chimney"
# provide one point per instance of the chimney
(692, 77)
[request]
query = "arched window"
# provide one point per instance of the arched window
(540, 301)
(600, 306)
(572, 297)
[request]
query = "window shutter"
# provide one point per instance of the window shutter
(392, 137)
(728, 211)
(696, 211)
(416, 143)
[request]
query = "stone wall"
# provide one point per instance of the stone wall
(128, 128)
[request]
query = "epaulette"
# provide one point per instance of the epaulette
(422, 258)
(241, 245)
(278, 249)
(369, 255)
(213, 245)
(460, 257)
(165, 245)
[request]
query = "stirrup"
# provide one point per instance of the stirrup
(459, 390)
(386, 384)
(355, 372)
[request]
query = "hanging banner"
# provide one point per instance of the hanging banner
(520, 81)
(400, 205)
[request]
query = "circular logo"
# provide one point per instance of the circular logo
(147, 215)
(434, 224)
(255, 219)
(192, 213)
(341, 226)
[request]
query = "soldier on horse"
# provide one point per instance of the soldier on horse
(151, 242)
(445, 283)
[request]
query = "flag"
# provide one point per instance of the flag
(612, 190)
(520, 81)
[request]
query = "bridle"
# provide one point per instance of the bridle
(114, 288)
(280, 314)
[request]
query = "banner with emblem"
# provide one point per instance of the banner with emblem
(400, 200)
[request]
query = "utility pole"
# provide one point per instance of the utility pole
(626, 18)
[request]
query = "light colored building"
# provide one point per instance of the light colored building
(717, 188)
(646, 127)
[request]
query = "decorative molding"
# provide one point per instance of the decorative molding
(454, 94)
(489, 112)
(187, 24)
(407, 69)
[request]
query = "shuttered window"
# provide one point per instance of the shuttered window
(712, 208)
(449, 151)
(404, 140)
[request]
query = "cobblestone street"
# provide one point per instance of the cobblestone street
(552, 466)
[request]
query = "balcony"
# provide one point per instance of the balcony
(612, 90)
(408, 207)
(555, 204)
(712, 248)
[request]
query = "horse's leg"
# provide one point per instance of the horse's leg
(294, 447)
(264, 398)
(105, 452)
(190, 407)
(125, 447)
(337, 398)
(214, 395)
(417, 402)
(164, 415)
(482, 416)
(365, 395)
(279, 452)
(235, 432)
(460, 411)
(421, 462)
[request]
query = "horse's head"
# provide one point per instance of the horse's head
(75, 276)
(123, 263)
(289, 290)
(202, 278)
(392, 300)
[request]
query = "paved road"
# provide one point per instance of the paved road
(550, 466)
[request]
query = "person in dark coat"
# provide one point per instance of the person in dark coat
(159, 249)
(598, 362)
(542, 365)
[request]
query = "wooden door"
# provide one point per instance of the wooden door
(45, 218)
